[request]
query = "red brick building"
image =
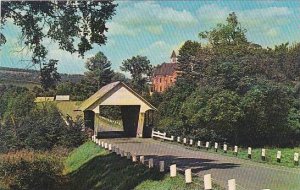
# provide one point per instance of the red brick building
(164, 75)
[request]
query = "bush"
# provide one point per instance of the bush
(31, 170)
(35, 126)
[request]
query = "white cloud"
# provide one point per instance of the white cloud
(115, 28)
(67, 62)
(135, 17)
(272, 32)
(270, 12)
(264, 23)
(158, 29)
(212, 14)
(148, 12)
(160, 51)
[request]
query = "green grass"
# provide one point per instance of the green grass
(104, 122)
(91, 167)
(287, 154)
(81, 155)
(68, 107)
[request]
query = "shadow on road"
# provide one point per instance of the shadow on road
(111, 134)
(196, 164)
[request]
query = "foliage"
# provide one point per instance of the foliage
(74, 25)
(234, 90)
(111, 112)
(140, 70)
(99, 72)
(98, 75)
(227, 40)
(38, 127)
(31, 170)
(49, 75)
(188, 65)
(266, 109)
(119, 77)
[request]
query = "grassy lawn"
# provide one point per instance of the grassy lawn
(287, 154)
(104, 122)
(91, 167)
(68, 107)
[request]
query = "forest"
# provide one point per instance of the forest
(232, 90)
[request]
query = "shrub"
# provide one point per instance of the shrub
(31, 170)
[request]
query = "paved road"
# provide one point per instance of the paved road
(249, 175)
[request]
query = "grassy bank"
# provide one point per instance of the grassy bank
(287, 154)
(67, 108)
(91, 167)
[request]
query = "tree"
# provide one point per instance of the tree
(266, 107)
(228, 40)
(119, 77)
(75, 25)
(140, 70)
(231, 33)
(99, 71)
(27, 125)
(188, 65)
(49, 75)
(65, 88)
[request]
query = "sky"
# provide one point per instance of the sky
(155, 28)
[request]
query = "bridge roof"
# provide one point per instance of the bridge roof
(119, 93)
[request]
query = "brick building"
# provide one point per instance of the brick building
(164, 75)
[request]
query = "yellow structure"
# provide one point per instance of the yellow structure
(43, 99)
(135, 110)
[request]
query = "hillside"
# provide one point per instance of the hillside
(91, 167)
(29, 77)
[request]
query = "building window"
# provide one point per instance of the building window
(160, 89)
(152, 89)
(160, 80)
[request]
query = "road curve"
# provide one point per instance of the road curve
(249, 175)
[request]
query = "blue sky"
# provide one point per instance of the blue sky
(155, 28)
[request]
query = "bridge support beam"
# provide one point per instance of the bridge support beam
(140, 125)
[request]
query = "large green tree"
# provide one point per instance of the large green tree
(74, 25)
(49, 75)
(140, 70)
(99, 71)
(188, 64)
(242, 91)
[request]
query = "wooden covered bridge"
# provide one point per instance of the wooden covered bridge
(136, 112)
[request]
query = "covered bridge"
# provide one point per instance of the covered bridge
(136, 112)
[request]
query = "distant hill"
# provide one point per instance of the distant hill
(26, 77)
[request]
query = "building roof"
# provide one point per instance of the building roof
(173, 55)
(107, 89)
(165, 69)
(62, 97)
(44, 99)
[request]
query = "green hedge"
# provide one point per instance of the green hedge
(31, 170)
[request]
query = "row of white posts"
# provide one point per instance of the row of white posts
(173, 169)
(235, 149)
